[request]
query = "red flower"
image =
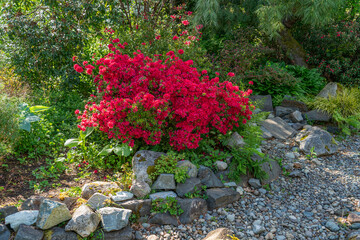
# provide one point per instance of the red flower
(251, 82)
(74, 58)
(185, 22)
(111, 124)
(231, 74)
(78, 68)
(217, 73)
(203, 72)
(157, 37)
(175, 37)
(181, 51)
(95, 171)
(77, 111)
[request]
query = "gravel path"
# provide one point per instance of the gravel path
(307, 202)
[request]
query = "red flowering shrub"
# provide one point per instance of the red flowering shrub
(146, 98)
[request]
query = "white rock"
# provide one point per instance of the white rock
(162, 195)
(230, 184)
(27, 217)
(290, 155)
(240, 190)
(221, 166)
(122, 196)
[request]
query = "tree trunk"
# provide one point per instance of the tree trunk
(294, 51)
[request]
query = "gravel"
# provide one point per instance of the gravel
(299, 207)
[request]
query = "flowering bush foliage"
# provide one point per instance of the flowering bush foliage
(142, 97)
(334, 50)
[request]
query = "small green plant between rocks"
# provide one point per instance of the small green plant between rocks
(169, 205)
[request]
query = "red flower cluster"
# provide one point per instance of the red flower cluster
(145, 98)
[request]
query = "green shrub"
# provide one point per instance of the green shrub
(344, 108)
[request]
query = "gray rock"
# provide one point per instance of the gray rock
(164, 181)
(192, 169)
(266, 134)
(291, 102)
(223, 175)
(235, 141)
(141, 162)
(193, 209)
(84, 221)
(297, 126)
(296, 117)
(32, 203)
(27, 217)
(257, 227)
(208, 178)
(290, 155)
(98, 187)
(52, 213)
(329, 89)
(240, 190)
(123, 234)
(230, 217)
(283, 111)
(221, 166)
(218, 234)
(355, 226)
(220, 197)
(262, 191)
(321, 140)
(28, 233)
(58, 233)
(164, 219)
(317, 116)
(162, 195)
(139, 207)
(271, 168)
(140, 188)
(255, 183)
(113, 219)
(6, 211)
(230, 184)
(354, 235)
(353, 217)
(264, 102)
(152, 237)
(332, 226)
(189, 186)
(4, 232)
(341, 212)
(122, 196)
(280, 237)
(97, 200)
(295, 174)
(278, 128)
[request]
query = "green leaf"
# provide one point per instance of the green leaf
(86, 133)
(25, 125)
(106, 151)
(38, 108)
(123, 150)
(72, 142)
(32, 118)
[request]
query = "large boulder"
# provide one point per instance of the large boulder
(142, 164)
(164, 219)
(208, 178)
(28, 233)
(140, 188)
(189, 186)
(320, 140)
(278, 128)
(219, 234)
(292, 102)
(317, 116)
(264, 102)
(58, 233)
(235, 141)
(329, 89)
(164, 181)
(84, 221)
(271, 168)
(4, 232)
(192, 170)
(27, 217)
(123, 234)
(193, 209)
(139, 207)
(113, 219)
(6, 211)
(98, 187)
(220, 197)
(52, 213)
(97, 201)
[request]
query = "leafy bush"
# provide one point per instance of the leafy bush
(245, 52)
(334, 50)
(152, 100)
(344, 107)
(9, 123)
